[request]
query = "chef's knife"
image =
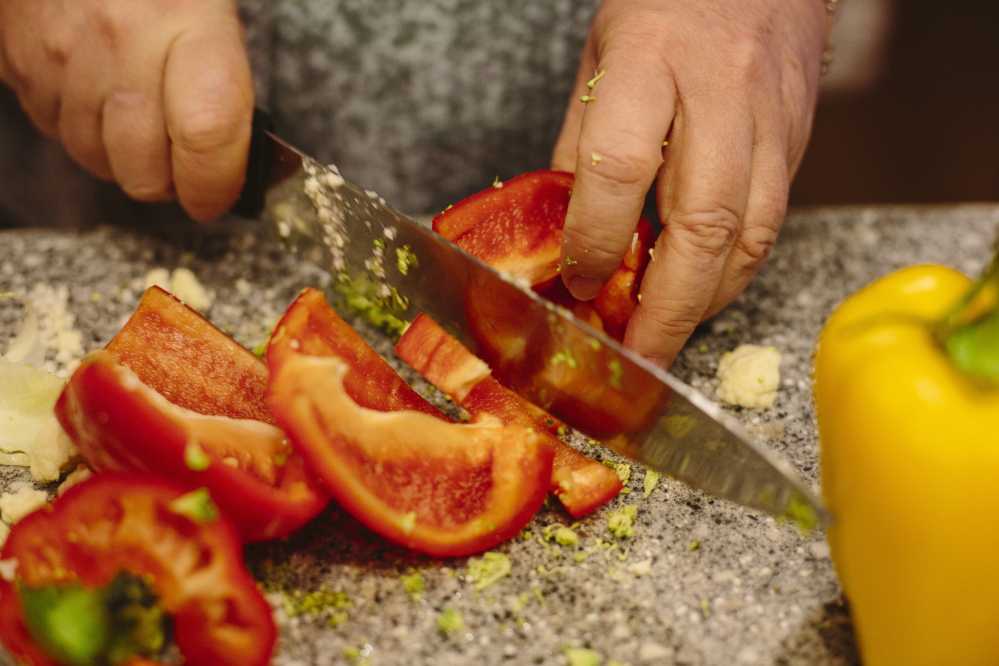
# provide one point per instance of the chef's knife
(398, 268)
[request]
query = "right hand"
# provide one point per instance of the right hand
(156, 96)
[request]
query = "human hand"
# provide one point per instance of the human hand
(157, 96)
(732, 85)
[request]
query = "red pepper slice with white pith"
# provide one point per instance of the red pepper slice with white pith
(516, 227)
(119, 419)
(120, 561)
(580, 483)
(446, 489)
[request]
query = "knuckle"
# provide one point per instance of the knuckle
(711, 230)
(673, 322)
(205, 129)
(753, 247)
(620, 161)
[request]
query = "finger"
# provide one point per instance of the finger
(208, 101)
(81, 118)
(765, 212)
(564, 153)
(134, 130)
(703, 197)
(619, 152)
(137, 144)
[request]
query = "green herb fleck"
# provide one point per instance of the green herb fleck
(694, 545)
(569, 261)
(617, 372)
(587, 98)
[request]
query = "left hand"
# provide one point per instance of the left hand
(732, 86)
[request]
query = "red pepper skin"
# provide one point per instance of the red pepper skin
(116, 522)
(310, 326)
(442, 488)
(580, 483)
(517, 228)
(121, 424)
(189, 361)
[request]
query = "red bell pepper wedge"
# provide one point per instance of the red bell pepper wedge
(188, 360)
(120, 421)
(119, 523)
(517, 228)
(310, 326)
(446, 489)
(580, 483)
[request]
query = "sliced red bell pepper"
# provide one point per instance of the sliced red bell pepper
(517, 228)
(119, 423)
(443, 488)
(581, 483)
(310, 326)
(117, 561)
(211, 437)
(188, 360)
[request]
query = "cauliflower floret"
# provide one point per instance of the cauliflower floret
(187, 288)
(52, 452)
(17, 505)
(749, 376)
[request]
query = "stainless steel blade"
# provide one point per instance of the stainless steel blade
(389, 263)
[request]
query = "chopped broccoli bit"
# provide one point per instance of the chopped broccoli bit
(486, 570)
(617, 372)
(317, 602)
(623, 471)
(563, 536)
(801, 513)
(649, 483)
(196, 505)
(565, 356)
(405, 259)
(621, 522)
(679, 425)
(412, 583)
(450, 621)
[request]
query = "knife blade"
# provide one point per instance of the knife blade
(393, 265)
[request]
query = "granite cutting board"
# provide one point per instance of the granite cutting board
(702, 581)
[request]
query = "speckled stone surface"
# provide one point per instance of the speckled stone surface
(751, 592)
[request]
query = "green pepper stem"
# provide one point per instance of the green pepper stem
(970, 332)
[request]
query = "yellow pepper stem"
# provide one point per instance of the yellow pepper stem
(970, 332)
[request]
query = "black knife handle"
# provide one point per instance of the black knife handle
(251, 199)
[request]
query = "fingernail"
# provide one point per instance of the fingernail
(584, 288)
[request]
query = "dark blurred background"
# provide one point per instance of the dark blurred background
(910, 107)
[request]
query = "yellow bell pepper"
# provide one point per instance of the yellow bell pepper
(906, 388)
